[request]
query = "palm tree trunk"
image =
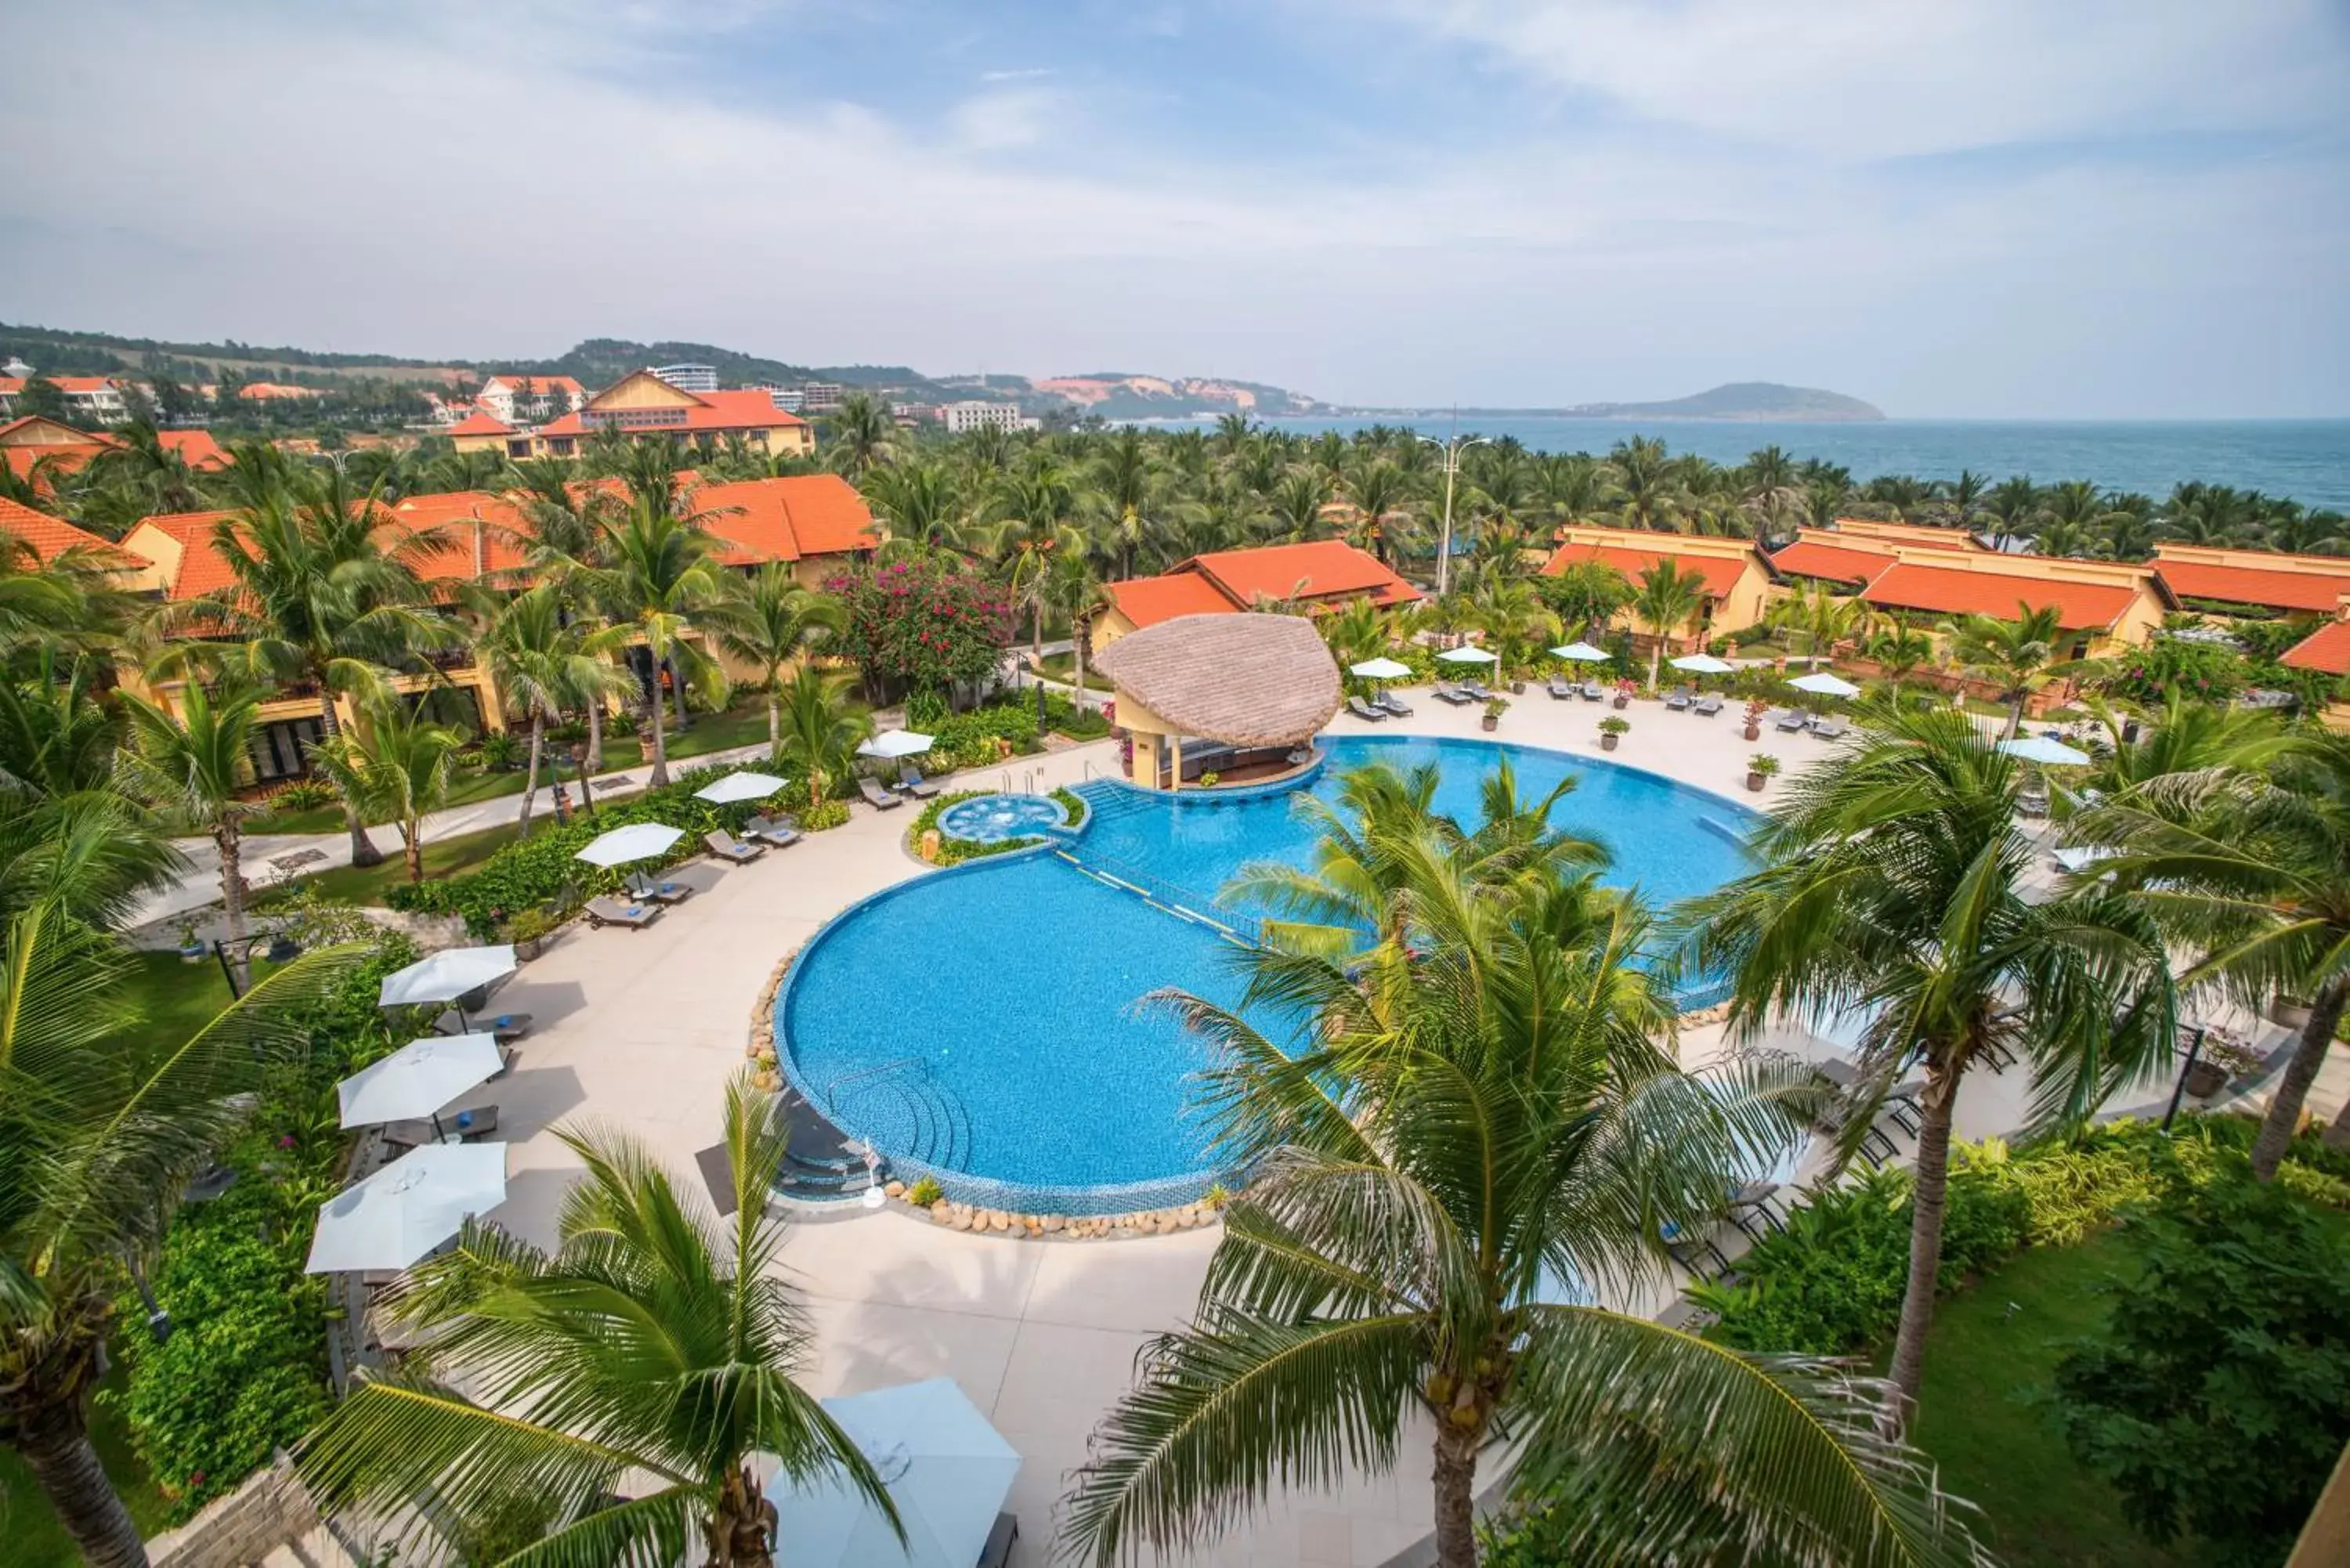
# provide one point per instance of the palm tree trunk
(591, 761)
(676, 690)
(774, 720)
(226, 837)
(2337, 1133)
(530, 776)
(1077, 649)
(1456, 1495)
(412, 845)
(1656, 660)
(55, 1443)
(659, 713)
(363, 849)
(2292, 1090)
(1928, 1197)
(740, 1529)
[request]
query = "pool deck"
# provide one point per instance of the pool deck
(640, 1030)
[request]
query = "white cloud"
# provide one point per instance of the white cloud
(1009, 117)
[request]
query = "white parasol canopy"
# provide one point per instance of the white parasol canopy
(1468, 656)
(1823, 684)
(1584, 653)
(2047, 752)
(446, 976)
(1702, 664)
(740, 786)
(418, 1079)
(1381, 669)
(947, 1471)
(408, 1207)
(638, 841)
(895, 743)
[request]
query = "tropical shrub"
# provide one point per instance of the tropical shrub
(971, 740)
(925, 1191)
(1061, 715)
(2168, 666)
(302, 794)
(1074, 804)
(921, 624)
(2216, 1398)
(953, 851)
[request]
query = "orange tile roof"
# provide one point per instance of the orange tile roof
(197, 448)
(1949, 590)
(712, 411)
(201, 570)
(1720, 573)
(480, 423)
(1926, 534)
(1318, 569)
(449, 518)
(262, 392)
(69, 450)
(12, 385)
(2272, 587)
(49, 536)
(535, 384)
(1147, 601)
(2327, 648)
(1837, 563)
(787, 518)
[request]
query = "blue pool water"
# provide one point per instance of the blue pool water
(992, 818)
(987, 1022)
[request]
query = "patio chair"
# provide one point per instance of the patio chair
(1708, 705)
(1592, 692)
(1364, 711)
(1478, 690)
(1453, 694)
(2032, 801)
(1390, 703)
(652, 892)
(780, 831)
(1001, 1538)
(1682, 700)
(1793, 722)
(1829, 728)
(1560, 691)
(602, 912)
(414, 1132)
(877, 797)
(910, 780)
(726, 847)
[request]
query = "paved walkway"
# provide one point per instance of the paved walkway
(640, 1030)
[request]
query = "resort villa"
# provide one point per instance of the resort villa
(1316, 578)
(1178, 680)
(33, 445)
(1735, 577)
(643, 407)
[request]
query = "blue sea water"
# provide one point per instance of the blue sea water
(2307, 459)
(989, 1021)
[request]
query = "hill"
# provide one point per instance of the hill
(1742, 400)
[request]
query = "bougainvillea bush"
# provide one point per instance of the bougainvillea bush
(921, 625)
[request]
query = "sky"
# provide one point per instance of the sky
(1951, 208)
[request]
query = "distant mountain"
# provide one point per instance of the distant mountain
(1127, 395)
(1736, 400)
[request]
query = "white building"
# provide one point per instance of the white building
(817, 396)
(973, 413)
(98, 399)
(688, 378)
(788, 399)
(530, 399)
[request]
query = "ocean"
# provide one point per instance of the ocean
(2307, 460)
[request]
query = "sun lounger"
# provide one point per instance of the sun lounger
(467, 1127)
(877, 797)
(1828, 729)
(1792, 722)
(613, 912)
(780, 831)
(1478, 690)
(1388, 703)
(726, 847)
(1560, 691)
(1682, 700)
(1454, 695)
(652, 892)
(911, 781)
(1592, 692)
(1362, 710)
(1708, 705)
(2080, 860)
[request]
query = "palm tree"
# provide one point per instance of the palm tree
(656, 1343)
(1892, 883)
(1076, 591)
(771, 623)
(1586, 594)
(920, 504)
(1900, 649)
(1034, 508)
(100, 1117)
(316, 598)
(820, 731)
(1666, 600)
(2244, 856)
(192, 764)
(2018, 655)
(1378, 492)
(1649, 493)
(658, 580)
(1428, 1175)
(1818, 616)
(542, 664)
(1514, 618)
(860, 434)
(394, 767)
(2014, 505)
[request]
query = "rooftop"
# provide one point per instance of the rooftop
(2327, 649)
(2271, 581)
(1245, 679)
(49, 536)
(1634, 552)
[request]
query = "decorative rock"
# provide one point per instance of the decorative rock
(895, 1188)
(1051, 1223)
(939, 1214)
(961, 1220)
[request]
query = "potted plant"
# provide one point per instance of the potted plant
(1211, 779)
(2292, 1012)
(1611, 730)
(1755, 709)
(192, 950)
(1760, 768)
(528, 933)
(1624, 690)
(1494, 708)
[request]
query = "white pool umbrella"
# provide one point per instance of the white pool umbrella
(418, 1079)
(1584, 653)
(895, 743)
(1468, 656)
(1381, 669)
(741, 787)
(446, 976)
(1825, 685)
(1703, 664)
(638, 841)
(947, 1471)
(2045, 751)
(408, 1207)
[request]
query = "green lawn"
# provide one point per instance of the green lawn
(1992, 1345)
(373, 884)
(745, 726)
(1061, 667)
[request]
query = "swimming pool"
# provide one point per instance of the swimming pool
(992, 818)
(981, 1024)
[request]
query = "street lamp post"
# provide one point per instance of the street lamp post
(1451, 449)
